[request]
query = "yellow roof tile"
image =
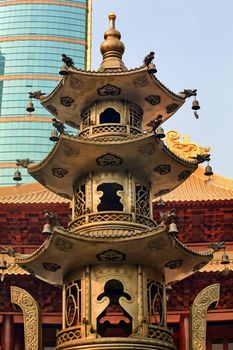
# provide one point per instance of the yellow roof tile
(30, 193)
(199, 188)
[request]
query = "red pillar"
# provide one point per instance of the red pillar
(184, 332)
(7, 341)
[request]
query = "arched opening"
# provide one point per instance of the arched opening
(110, 201)
(110, 115)
(114, 321)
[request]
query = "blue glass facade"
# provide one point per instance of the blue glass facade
(33, 35)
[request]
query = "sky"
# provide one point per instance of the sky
(193, 46)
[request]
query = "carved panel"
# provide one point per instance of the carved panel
(31, 316)
(208, 296)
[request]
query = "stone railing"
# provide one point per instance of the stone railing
(160, 333)
(72, 333)
(110, 129)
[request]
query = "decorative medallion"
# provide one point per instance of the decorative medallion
(199, 266)
(157, 244)
(52, 109)
(52, 267)
(71, 152)
(72, 124)
(66, 101)
(163, 169)
(173, 264)
(162, 192)
(153, 99)
(109, 90)
(76, 83)
(141, 81)
(63, 245)
(109, 159)
(111, 256)
(148, 149)
(59, 172)
(172, 108)
(184, 175)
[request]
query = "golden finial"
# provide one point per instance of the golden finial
(112, 18)
(112, 48)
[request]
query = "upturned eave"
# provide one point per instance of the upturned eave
(64, 252)
(74, 157)
(79, 89)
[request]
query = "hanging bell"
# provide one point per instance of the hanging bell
(30, 107)
(195, 105)
(208, 171)
(63, 70)
(3, 264)
(225, 259)
(152, 68)
(160, 133)
(47, 230)
(161, 204)
(173, 229)
(17, 176)
(54, 135)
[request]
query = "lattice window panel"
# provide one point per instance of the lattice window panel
(142, 200)
(135, 119)
(73, 303)
(109, 128)
(86, 119)
(80, 201)
(155, 303)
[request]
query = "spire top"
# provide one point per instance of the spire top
(112, 19)
(112, 48)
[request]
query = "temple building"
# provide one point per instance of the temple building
(125, 241)
(33, 35)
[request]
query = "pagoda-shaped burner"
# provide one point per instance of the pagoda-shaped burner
(114, 261)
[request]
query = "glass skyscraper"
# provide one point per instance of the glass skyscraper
(33, 35)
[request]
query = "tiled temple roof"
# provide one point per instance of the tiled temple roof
(200, 188)
(30, 193)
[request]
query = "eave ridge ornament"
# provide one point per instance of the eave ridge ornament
(208, 296)
(184, 148)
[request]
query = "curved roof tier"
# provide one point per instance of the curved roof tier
(153, 248)
(79, 89)
(73, 158)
